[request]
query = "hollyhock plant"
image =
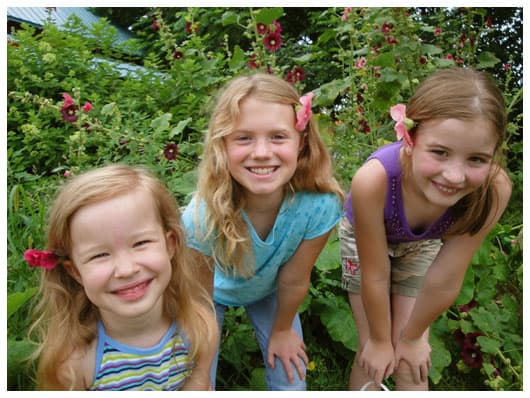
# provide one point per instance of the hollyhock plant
(403, 123)
(304, 113)
(41, 258)
(171, 151)
(272, 41)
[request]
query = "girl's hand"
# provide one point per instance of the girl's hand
(377, 360)
(290, 349)
(417, 354)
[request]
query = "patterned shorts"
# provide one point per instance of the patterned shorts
(409, 262)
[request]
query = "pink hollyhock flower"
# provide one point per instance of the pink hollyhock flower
(304, 113)
(171, 151)
(272, 41)
(346, 13)
(403, 123)
(87, 107)
(41, 258)
(277, 27)
(67, 173)
(360, 63)
(68, 100)
(437, 31)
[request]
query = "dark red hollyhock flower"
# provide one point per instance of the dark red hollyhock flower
(489, 22)
(261, 28)
(171, 151)
(272, 41)
(178, 54)
(252, 64)
(472, 357)
(471, 339)
(459, 336)
(467, 307)
(192, 27)
(422, 60)
(365, 128)
(69, 109)
(154, 26)
(297, 74)
(386, 28)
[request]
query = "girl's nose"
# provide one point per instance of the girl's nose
(261, 148)
(124, 266)
(455, 173)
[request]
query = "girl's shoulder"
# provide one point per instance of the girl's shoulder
(503, 186)
(370, 180)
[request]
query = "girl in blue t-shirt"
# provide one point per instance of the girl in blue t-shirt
(265, 205)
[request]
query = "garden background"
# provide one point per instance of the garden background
(357, 61)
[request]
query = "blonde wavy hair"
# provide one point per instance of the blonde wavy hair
(223, 196)
(463, 94)
(65, 319)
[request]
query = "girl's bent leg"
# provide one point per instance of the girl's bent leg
(261, 314)
(220, 314)
(401, 308)
(358, 376)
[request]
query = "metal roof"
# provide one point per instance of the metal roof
(37, 16)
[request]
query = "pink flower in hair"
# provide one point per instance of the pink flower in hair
(41, 258)
(304, 113)
(403, 123)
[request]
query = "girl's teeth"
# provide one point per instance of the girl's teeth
(262, 171)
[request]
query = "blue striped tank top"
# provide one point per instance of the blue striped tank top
(161, 367)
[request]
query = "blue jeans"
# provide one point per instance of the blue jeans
(261, 315)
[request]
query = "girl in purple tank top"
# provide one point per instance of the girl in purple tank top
(417, 212)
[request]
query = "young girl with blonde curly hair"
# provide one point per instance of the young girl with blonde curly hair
(265, 205)
(120, 305)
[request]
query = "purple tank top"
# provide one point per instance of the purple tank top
(397, 229)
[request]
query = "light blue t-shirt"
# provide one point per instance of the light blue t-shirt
(304, 217)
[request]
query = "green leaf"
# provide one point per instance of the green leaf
(108, 109)
(329, 258)
(229, 18)
(440, 358)
(487, 60)
(484, 320)
(385, 60)
(18, 299)
(161, 123)
(180, 127)
(326, 94)
(488, 345)
(335, 314)
(430, 49)
(238, 58)
(269, 15)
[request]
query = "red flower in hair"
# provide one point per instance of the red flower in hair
(41, 258)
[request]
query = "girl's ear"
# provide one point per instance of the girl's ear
(171, 243)
(408, 149)
(72, 270)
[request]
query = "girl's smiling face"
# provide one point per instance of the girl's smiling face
(263, 148)
(450, 159)
(121, 255)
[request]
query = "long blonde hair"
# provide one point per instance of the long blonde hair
(463, 94)
(223, 196)
(65, 318)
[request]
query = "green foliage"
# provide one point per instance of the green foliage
(357, 64)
